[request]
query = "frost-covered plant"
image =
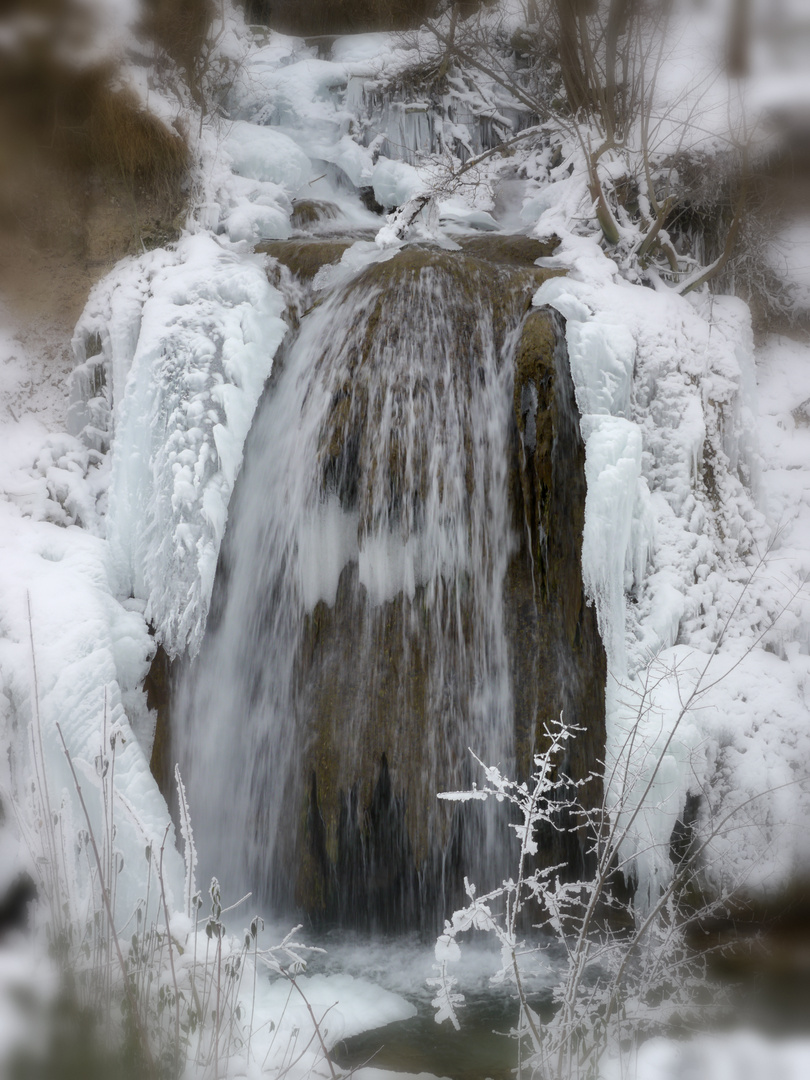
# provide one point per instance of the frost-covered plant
(628, 967)
(501, 911)
(625, 972)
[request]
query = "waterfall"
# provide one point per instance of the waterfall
(359, 644)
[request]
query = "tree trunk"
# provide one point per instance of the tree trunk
(573, 74)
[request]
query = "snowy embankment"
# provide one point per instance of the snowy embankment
(69, 649)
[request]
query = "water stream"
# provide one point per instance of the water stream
(359, 614)
(391, 597)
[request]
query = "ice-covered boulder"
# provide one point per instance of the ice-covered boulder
(254, 210)
(395, 182)
(263, 153)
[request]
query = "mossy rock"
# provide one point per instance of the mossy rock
(561, 665)
(311, 212)
(159, 686)
(506, 250)
(304, 257)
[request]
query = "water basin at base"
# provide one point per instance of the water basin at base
(481, 1048)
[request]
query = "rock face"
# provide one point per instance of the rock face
(558, 657)
(400, 584)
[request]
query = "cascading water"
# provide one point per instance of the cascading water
(361, 639)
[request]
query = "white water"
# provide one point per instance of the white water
(383, 481)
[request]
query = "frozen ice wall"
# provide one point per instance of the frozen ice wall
(185, 342)
(663, 385)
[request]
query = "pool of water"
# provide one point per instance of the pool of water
(481, 1048)
(760, 995)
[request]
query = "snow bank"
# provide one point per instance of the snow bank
(90, 652)
(186, 342)
(347, 1004)
(91, 658)
(253, 210)
(728, 1056)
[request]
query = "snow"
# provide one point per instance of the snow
(455, 211)
(729, 1056)
(362, 48)
(676, 554)
(91, 653)
(394, 182)
(255, 210)
(296, 94)
(261, 153)
(349, 1005)
(353, 161)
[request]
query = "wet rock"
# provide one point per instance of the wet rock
(376, 660)
(308, 212)
(305, 257)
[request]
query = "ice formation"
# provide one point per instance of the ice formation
(186, 341)
(673, 556)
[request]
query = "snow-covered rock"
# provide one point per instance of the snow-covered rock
(263, 153)
(395, 182)
(675, 559)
